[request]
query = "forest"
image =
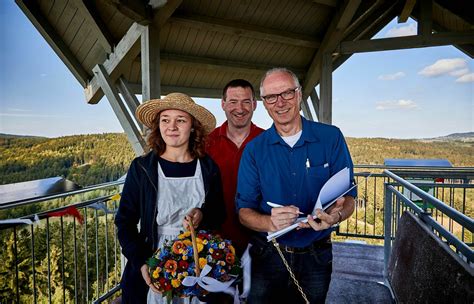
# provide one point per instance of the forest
(93, 159)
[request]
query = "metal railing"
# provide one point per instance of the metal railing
(57, 258)
(453, 186)
(429, 211)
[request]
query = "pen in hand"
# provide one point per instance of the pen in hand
(273, 205)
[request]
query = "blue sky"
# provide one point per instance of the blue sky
(415, 93)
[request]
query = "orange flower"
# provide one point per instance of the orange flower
(178, 247)
(171, 266)
(230, 258)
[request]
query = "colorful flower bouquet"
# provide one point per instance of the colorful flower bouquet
(170, 265)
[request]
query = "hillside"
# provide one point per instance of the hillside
(98, 158)
(84, 159)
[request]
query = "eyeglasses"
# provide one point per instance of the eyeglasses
(287, 95)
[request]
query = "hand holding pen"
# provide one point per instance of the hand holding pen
(283, 216)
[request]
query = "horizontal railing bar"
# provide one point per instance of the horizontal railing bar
(22, 202)
(427, 219)
(107, 295)
(451, 212)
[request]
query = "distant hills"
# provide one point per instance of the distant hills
(466, 137)
(98, 158)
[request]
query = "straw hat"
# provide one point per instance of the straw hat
(147, 112)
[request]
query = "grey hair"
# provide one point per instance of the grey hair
(278, 70)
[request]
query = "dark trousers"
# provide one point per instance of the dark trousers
(271, 281)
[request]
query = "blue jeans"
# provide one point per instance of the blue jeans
(271, 281)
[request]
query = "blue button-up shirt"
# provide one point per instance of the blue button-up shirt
(272, 171)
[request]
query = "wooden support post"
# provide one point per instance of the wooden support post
(306, 110)
(325, 114)
(425, 24)
(315, 102)
(150, 61)
(127, 122)
(130, 98)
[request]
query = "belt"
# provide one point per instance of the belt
(322, 243)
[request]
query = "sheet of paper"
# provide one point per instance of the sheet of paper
(337, 186)
(332, 189)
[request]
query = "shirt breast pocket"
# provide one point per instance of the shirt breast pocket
(317, 176)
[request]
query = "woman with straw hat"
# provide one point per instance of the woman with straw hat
(166, 189)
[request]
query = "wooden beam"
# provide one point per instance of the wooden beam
(306, 110)
(93, 20)
(425, 22)
(333, 36)
(31, 9)
(409, 42)
(220, 64)
(244, 30)
(191, 91)
(315, 102)
(136, 10)
(126, 51)
(126, 120)
(461, 9)
(406, 11)
(325, 104)
(150, 63)
(332, 3)
(129, 97)
(165, 12)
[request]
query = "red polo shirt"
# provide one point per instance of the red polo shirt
(227, 156)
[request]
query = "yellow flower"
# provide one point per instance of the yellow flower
(211, 250)
(200, 245)
(205, 242)
(185, 257)
(187, 242)
(232, 249)
(184, 235)
(202, 263)
(156, 274)
(175, 283)
(221, 245)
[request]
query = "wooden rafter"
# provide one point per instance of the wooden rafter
(136, 10)
(333, 36)
(406, 11)
(220, 64)
(93, 20)
(244, 30)
(126, 51)
(31, 9)
(397, 43)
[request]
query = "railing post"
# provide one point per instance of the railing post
(387, 227)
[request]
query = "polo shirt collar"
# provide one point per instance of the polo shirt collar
(308, 135)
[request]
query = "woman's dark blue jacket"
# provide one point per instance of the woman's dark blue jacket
(138, 205)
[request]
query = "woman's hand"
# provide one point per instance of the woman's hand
(195, 215)
(147, 279)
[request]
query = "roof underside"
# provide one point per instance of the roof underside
(206, 43)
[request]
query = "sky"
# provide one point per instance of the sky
(416, 93)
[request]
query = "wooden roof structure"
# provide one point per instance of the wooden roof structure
(154, 47)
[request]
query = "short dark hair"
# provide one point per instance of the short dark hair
(236, 83)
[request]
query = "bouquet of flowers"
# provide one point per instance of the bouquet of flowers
(170, 265)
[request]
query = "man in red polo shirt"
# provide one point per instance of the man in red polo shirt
(225, 145)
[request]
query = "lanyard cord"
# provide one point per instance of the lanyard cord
(291, 272)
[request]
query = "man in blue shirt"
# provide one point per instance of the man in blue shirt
(287, 165)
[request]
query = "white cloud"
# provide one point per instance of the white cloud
(444, 66)
(394, 76)
(459, 72)
(18, 110)
(466, 78)
(405, 30)
(401, 104)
